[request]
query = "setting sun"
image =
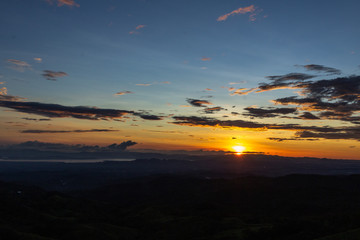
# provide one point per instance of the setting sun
(239, 149)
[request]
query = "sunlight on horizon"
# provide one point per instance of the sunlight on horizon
(239, 149)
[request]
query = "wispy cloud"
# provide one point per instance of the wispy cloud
(138, 27)
(198, 102)
(70, 3)
(153, 83)
(321, 68)
(244, 10)
(18, 65)
(122, 93)
(36, 119)
(38, 59)
(52, 75)
(45, 146)
(68, 131)
(205, 59)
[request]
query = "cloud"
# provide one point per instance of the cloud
(122, 93)
(309, 116)
(321, 68)
(213, 109)
(268, 113)
(148, 116)
(241, 91)
(60, 111)
(36, 119)
(249, 9)
(144, 84)
(3, 91)
(60, 3)
(18, 65)
(44, 146)
(213, 122)
(68, 131)
(198, 102)
(292, 139)
(38, 59)
(138, 27)
(52, 75)
(290, 76)
(205, 59)
(208, 89)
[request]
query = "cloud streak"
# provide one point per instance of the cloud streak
(244, 10)
(53, 75)
(122, 93)
(68, 131)
(198, 102)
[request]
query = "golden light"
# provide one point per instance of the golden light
(239, 149)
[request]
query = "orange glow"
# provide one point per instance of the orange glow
(239, 149)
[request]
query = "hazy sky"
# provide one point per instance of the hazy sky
(279, 77)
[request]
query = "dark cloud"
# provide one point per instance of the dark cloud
(269, 112)
(149, 117)
(44, 146)
(325, 132)
(68, 131)
(36, 119)
(350, 134)
(198, 102)
(291, 77)
(213, 109)
(309, 116)
(293, 139)
(52, 75)
(321, 68)
(60, 111)
(10, 98)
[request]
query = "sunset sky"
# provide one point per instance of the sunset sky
(276, 77)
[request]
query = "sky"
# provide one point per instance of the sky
(275, 77)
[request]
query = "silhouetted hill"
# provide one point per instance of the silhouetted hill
(168, 207)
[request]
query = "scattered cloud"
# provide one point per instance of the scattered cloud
(290, 77)
(39, 60)
(3, 91)
(60, 3)
(138, 27)
(68, 131)
(321, 68)
(268, 113)
(198, 102)
(249, 9)
(122, 93)
(45, 146)
(205, 59)
(60, 111)
(233, 83)
(144, 84)
(36, 119)
(208, 89)
(18, 65)
(52, 75)
(213, 109)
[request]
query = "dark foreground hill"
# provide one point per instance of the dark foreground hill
(172, 207)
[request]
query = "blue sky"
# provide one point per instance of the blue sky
(177, 48)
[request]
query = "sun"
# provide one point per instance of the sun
(239, 149)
